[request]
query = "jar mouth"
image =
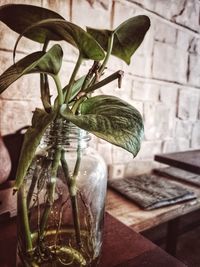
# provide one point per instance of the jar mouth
(64, 133)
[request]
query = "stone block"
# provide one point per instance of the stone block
(15, 114)
(149, 149)
(105, 150)
(145, 91)
(123, 11)
(169, 9)
(188, 104)
(156, 121)
(137, 167)
(189, 15)
(165, 33)
(195, 140)
(60, 6)
(184, 40)
(175, 145)
(183, 129)
(194, 66)
(120, 155)
(97, 15)
(168, 94)
(169, 63)
(138, 105)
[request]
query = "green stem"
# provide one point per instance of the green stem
(117, 75)
(44, 85)
(51, 191)
(24, 216)
(65, 167)
(59, 90)
(71, 182)
(74, 202)
(109, 51)
(72, 79)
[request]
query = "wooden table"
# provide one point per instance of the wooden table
(139, 220)
(122, 247)
(186, 160)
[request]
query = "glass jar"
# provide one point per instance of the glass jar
(61, 201)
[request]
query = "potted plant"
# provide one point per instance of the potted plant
(61, 183)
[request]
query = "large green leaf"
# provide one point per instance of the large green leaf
(40, 122)
(38, 62)
(18, 17)
(110, 119)
(127, 37)
(72, 34)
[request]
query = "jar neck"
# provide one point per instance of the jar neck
(66, 134)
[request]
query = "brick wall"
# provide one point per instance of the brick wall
(162, 81)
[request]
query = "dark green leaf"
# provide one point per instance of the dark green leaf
(38, 62)
(72, 34)
(40, 122)
(110, 119)
(18, 17)
(76, 87)
(127, 37)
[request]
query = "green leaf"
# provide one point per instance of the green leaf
(40, 122)
(72, 34)
(18, 17)
(76, 87)
(38, 62)
(127, 37)
(111, 119)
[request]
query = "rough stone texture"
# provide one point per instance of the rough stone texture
(137, 167)
(169, 63)
(96, 15)
(156, 120)
(168, 94)
(188, 104)
(162, 80)
(194, 75)
(183, 129)
(165, 33)
(195, 142)
(149, 149)
(15, 114)
(189, 15)
(175, 144)
(145, 91)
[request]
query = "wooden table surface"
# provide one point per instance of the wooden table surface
(138, 219)
(122, 247)
(186, 160)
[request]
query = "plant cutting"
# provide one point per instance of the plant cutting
(60, 181)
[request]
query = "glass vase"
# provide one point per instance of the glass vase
(61, 201)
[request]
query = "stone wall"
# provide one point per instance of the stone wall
(162, 81)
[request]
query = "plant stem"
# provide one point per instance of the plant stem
(24, 215)
(51, 191)
(72, 79)
(109, 51)
(117, 75)
(59, 90)
(73, 194)
(71, 182)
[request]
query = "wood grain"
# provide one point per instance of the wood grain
(138, 219)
